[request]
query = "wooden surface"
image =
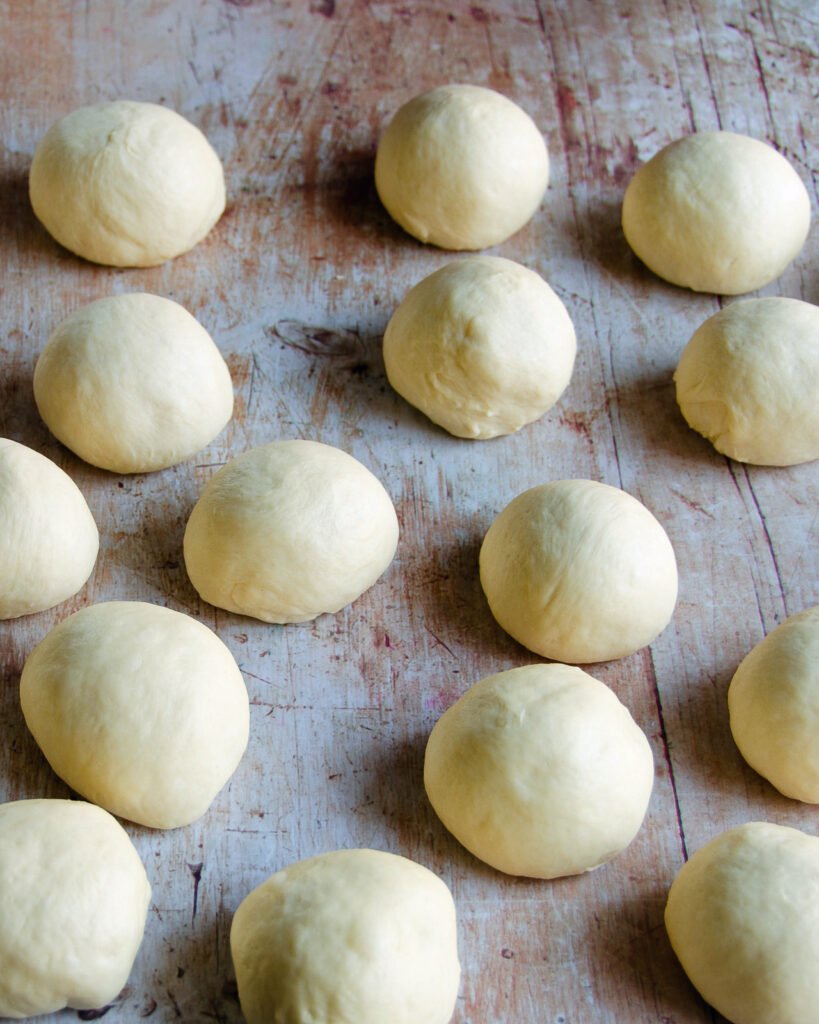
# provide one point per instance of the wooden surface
(296, 284)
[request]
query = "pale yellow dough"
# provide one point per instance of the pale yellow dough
(461, 167)
(126, 184)
(742, 918)
(74, 897)
(139, 708)
(348, 937)
(717, 212)
(483, 346)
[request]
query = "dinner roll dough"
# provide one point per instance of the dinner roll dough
(74, 898)
(540, 771)
(138, 708)
(462, 167)
(482, 346)
(133, 383)
(352, 937)
(773, 701)
(579, 571)
(126, 184)
(748, 380)
(288, 531)
(716, 212)
(48, 538)
(741, 916)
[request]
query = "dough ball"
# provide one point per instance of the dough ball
(126, 184)
(140, 709)
(288, 531)
(748, 380)
(540, 771)
(461, 167)
(741, 916)
(133, 383)
(716, 212)
(74, 898)
(48, 538)
(579, 571)
(483, 346)
(773, 702)
(352, 937)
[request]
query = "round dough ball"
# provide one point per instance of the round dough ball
(741, 916)
(748, 380)
(126, 184)
(540, 771)
(462, 167)
(483, 346)
(716, 212)
(579, 571)
(75, 896)
(48, 538)
(773, 701)
(288, 531)
(352, 937)
(140, 709)
(133, 383)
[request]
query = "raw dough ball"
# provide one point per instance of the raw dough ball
(138, 708)
(74, 898)
(461, 167)
(540, 771)
(352, 937)
(288, 531)
(579, 571)
(482, 346)
(717, 212)
(741, 916)
(748, 380)
(773, 701)
(133, 383)
(48, 538)
(126, 184)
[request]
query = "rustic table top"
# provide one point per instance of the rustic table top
(296, 284)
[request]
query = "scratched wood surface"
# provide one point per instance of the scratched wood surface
(296, 284)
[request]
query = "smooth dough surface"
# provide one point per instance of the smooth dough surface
(579, 571)
(748, 380)
(540, 771)
(48, 538)
(352, 937)
(742, 918)
(126, 184)
(74, 897)
(288, 531)
(717, 212)
(482, 346)
(773, 701)
(139, 708)
(461, 167)
(133, 383)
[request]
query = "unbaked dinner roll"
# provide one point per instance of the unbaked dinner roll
(126, 184)
(352, 937)
(717, 212)
(579, 571)
(540, 771)
(748, 380)
(139, 708)
(288, 531)
(742, 919)
(482, 346)
(48, 538)
(461, 167)
(74, 897)
(133, 383)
